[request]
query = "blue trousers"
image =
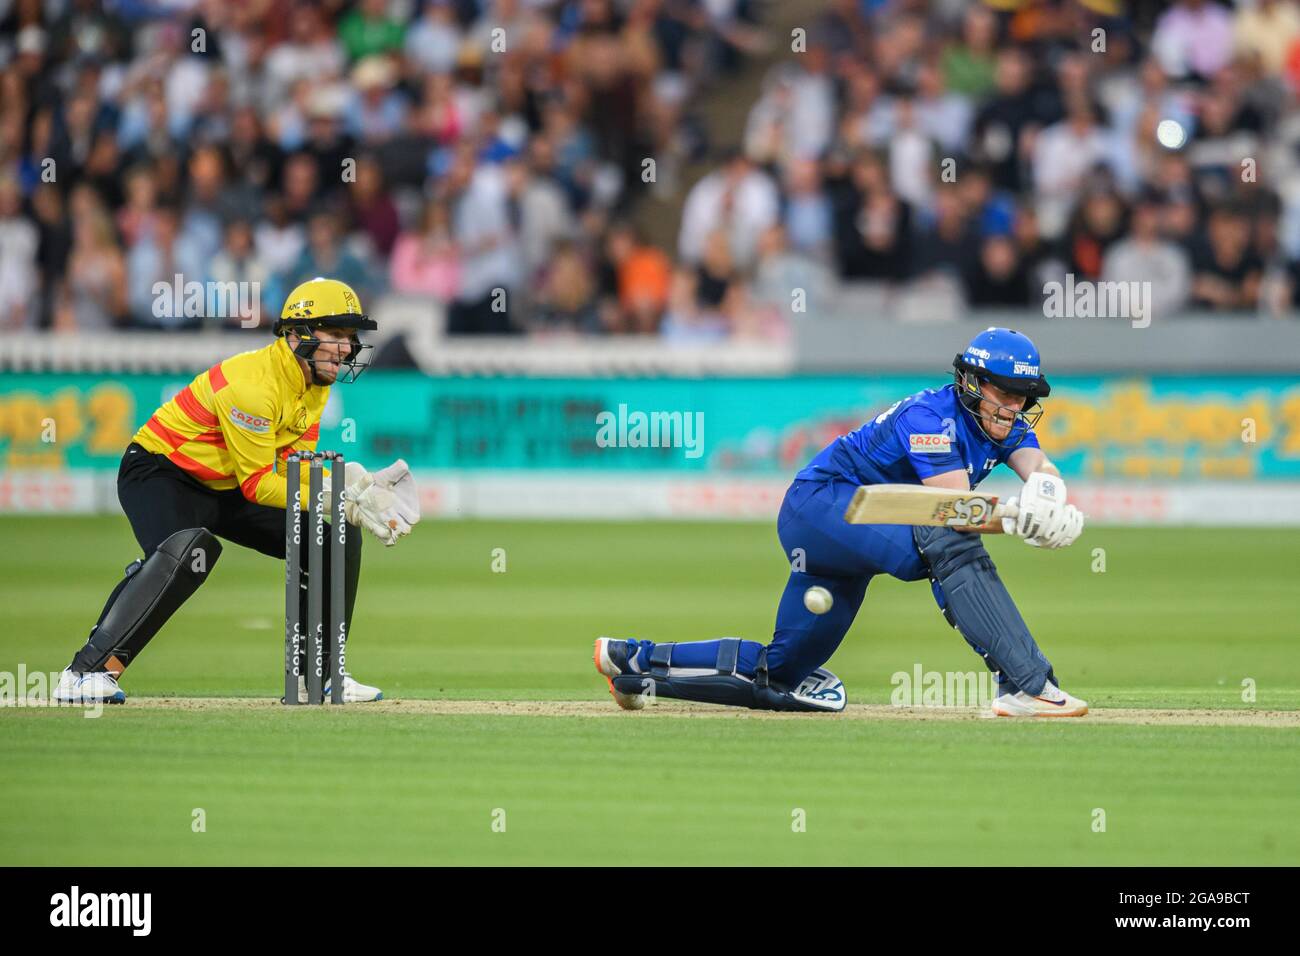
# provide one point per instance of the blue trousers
(823, 549)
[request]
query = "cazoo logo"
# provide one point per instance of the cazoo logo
(250, 423)
(929, 444)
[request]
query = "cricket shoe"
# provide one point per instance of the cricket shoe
(91, 687)
(354, 692)
(1051, 701)
(612, 659)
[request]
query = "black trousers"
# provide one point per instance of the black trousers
(160, 499)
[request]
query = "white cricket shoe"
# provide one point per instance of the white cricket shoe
(1051, 702)
(354, 692)
(88, 688)
(611, 658)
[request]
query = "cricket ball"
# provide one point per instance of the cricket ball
(818, 600)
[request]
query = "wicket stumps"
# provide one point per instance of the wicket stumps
(292, 576)
(316, 536)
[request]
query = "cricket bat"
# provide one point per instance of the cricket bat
(924, 505)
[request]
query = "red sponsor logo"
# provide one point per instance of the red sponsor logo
(252, 423)
(929, 444)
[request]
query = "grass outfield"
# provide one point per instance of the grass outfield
(1178, 619)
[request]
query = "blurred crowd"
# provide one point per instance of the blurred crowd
(491, 155)
(990, 150)
(482, 153)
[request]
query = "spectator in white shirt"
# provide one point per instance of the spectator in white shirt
(485, 222)
(738, 198)
(313, 54)
(941, 114)
(434, 40)
(19, 241)
(1146, 256)
(1063, 154)
(238, 262)
(795, 117)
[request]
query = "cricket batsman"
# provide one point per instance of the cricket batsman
(209, 464)
(949, 437)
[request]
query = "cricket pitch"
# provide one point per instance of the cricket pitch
(680, 709)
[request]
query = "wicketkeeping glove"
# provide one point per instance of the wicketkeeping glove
(386, 503)
(365, 502)
(405, 510)
(370, 508)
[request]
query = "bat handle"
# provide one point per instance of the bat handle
(1006, 510)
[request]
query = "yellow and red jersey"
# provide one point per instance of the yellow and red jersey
(230, 426)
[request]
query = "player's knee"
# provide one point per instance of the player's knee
(195, 549)
(153, 590)
(946, 550)
(937, 590)
(817, 690)
(778, 664)
(784, 668)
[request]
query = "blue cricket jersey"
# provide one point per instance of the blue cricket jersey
(925, 434)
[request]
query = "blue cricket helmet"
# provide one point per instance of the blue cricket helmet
(1008, 359)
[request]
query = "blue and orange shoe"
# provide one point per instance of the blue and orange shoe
(613, 659)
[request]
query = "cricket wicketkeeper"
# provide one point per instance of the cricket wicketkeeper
(949, 437)
(209, 464)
